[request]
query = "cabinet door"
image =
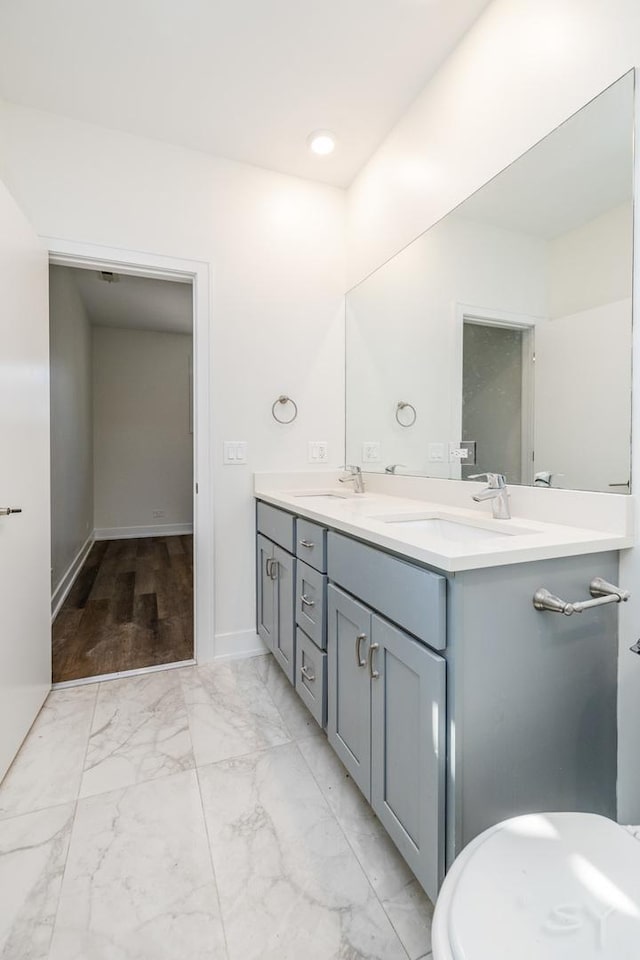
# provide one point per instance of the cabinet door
(266, 616)
(349, 687)
(284, 635)
(408, 749)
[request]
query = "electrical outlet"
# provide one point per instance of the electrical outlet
(235, 452)
(318, 451)
(436, 452)
(371, 451)
(463, 451)
(157, 514)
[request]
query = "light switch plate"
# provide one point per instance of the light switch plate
(436, 452)
(235, 452)
(371, 451)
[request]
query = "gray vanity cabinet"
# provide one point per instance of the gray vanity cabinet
(387, 724)
(276, 571)
(349, 685)
(266, 613)
(452, 702)
(408, 744)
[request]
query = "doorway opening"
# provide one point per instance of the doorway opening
(125, 601)
(497, 397)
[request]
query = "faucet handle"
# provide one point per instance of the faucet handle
(495, 480)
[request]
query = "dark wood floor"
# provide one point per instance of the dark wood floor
(131, 607)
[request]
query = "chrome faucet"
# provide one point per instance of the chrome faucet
(497, 492)
(392, 467)
(355, 477)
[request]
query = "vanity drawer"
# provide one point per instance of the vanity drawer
(311, 591)
(311, 677)
(277, 525)
(311, 544)
(408, 595)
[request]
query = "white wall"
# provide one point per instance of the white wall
(521, 70)
(590, 320)
(276, 249)
(142, 446)
(71, 425)
(591, 265)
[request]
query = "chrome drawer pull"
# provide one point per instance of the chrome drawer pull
(272, 569)
(374, 674)
(307, 675)
(359, 638)
(306, 602)
(307, 543)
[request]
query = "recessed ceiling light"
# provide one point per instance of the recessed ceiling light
(321, 142)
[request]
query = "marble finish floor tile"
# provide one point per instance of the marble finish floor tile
(139, 732)
(404, 901)
(230, 711)
(33, 850)
(290, 886)
(48, 769)
(295, 715)
(139, 884)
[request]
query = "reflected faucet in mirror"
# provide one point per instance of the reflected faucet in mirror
(392, 467)
(496, 491)
(355, 477)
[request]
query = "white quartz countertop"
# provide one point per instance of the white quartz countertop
(463, 539)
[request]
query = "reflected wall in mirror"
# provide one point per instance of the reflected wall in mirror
(508, 323)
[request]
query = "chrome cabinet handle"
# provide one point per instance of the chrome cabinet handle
(267, 566)
(271, 567)
(374, 674)
(359, 638)
(307, 675)
(306, 602)
(309, 544)
(7, 511)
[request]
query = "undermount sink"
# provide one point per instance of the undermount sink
(330, 496)
(323, 496)
(451, 529)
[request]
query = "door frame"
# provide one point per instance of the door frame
(68, 253)
(483, 316)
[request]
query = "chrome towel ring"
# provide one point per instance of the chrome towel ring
(284, 400)
(403, 405)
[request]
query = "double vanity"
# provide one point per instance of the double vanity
(459, 641)
(408, 628)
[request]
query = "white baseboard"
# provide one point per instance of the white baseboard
(61, 592)
(238, 645)
(129, 533)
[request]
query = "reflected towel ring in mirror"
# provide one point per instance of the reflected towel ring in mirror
(284, 400)
(413, 416)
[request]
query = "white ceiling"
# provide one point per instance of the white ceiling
(245, 79)
(578, 172)
(138, 303)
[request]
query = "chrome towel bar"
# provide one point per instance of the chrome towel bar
(602, 592)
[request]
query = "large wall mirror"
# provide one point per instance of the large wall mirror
(508, 323)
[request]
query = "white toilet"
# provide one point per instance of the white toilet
(549, 886)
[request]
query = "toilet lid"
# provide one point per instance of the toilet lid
(562, 886)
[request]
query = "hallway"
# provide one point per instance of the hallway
(130, 607)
